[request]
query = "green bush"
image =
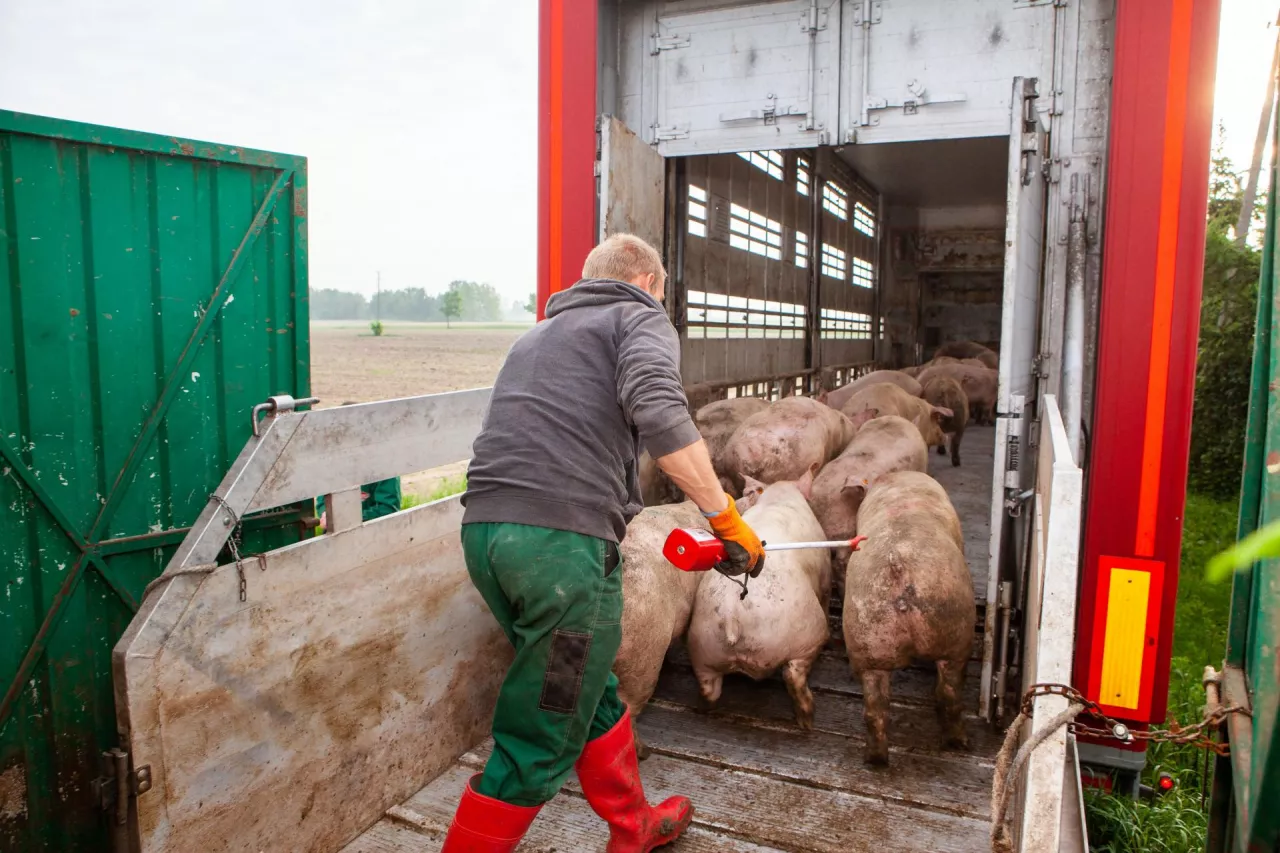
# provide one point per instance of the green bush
(1223, 365)
(1228, 313)
(375, 326)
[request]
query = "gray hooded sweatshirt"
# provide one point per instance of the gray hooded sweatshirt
(574, 401)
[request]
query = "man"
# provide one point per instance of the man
(550, 489)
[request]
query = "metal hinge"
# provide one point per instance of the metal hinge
(877, 13)
(661, 43)
(675, 131)
(1038, 364)
(118, 784)
(814, 20)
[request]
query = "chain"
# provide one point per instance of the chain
(233, 542)
(1198, 735)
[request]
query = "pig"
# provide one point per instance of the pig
(837, 398)
(657, 601)
(980, 385)
(785, 440)
(888, 399)
(699, 396)
(656, 488)
(946, 393)
(718, 422)
(908, 597)
(782, 622)
(883, 445)
(912, 371)
(961, 349)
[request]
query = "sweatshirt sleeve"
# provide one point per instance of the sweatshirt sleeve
(649, 387)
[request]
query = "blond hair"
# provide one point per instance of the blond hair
(624, 257)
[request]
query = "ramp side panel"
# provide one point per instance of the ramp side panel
(361, 665)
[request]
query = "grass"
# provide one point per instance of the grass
(446, 488)
(1178, 821)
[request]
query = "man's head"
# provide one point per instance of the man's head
(625, 257)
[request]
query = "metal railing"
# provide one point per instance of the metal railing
(808, 382)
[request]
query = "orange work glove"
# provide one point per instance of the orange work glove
(744, 552)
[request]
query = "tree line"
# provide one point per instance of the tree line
(463, 300)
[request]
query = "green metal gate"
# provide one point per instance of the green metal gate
(152, 290)
(1246, 797)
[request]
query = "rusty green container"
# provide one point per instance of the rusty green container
(1245, 812)
(152, 290)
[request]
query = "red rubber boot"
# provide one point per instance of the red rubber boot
(610, 777)
(485, 825)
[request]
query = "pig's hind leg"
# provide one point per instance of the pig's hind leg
(948, 694)
(875, 699)
(796, 675)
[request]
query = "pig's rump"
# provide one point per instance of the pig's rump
(747, 636)
(908, 591)
(904, 622)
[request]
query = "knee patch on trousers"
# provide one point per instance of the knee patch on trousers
(566, 663)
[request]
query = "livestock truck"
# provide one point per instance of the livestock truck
(837, 186)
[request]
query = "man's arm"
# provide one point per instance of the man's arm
(650, 392)
(690, 469)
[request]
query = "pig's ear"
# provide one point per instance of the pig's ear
(862, 417)
(753, 488)
(822, 396)
(940, 412)
(805, 483)
(854, 491)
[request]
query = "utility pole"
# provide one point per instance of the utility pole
(1259, 144)
(377, 304)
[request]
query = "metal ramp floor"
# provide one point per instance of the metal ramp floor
(758, 783)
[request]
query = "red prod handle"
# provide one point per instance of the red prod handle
(693, 549)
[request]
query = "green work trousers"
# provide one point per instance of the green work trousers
(558, 597)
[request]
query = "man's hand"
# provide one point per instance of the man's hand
(744, 552)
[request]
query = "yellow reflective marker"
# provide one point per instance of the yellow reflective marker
(1125, 642)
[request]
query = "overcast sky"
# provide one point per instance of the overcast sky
(418, 117)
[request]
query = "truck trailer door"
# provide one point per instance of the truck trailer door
(632, 184)
(1023, 260)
